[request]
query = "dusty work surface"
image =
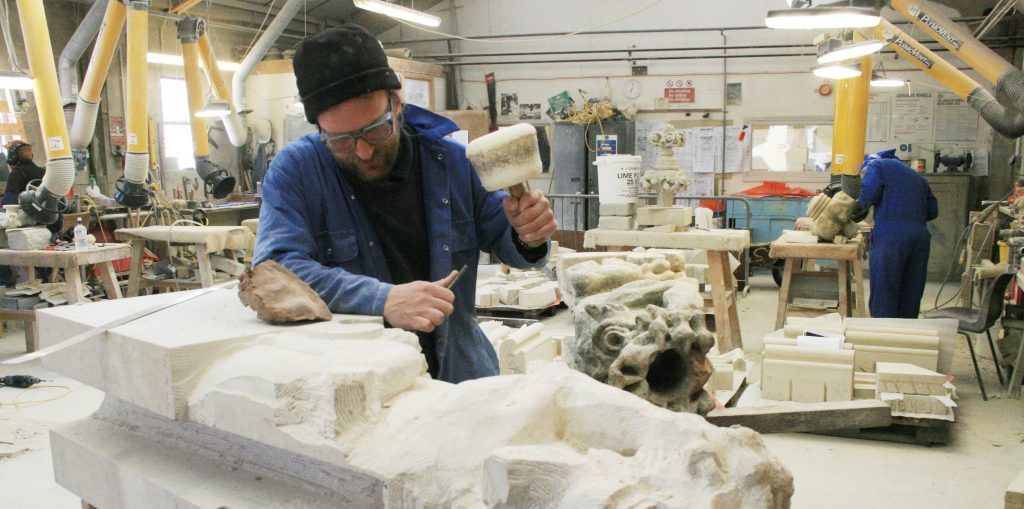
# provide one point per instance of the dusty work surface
(972, 472)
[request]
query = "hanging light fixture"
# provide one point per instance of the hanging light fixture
(880, 80)
(15, 80)
(835, 50)
(836, 71)
(845, 14)
(214, 108)
(398, 12)
(176, 60)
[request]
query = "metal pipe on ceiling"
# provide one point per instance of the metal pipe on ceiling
(67, 64)
(442, 56)
(964, 19)
(284, 16)
(678, 57)
(210, 22)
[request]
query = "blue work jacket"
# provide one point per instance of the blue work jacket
(902, 199)
(312, 224)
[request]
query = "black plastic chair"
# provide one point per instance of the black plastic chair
(980, 320)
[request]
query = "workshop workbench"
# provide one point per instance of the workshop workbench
(101, 255)
(228, 214)
(207, 240)
(848, 257)
(717, 243)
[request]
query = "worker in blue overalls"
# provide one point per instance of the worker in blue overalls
(903, 203)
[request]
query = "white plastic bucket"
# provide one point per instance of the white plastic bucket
(618, 178)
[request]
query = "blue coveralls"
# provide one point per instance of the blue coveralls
(312, 224)
(903, 203)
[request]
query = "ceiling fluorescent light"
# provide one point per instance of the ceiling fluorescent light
(883, 81)
(836, 71)
(15, 80)
(214, 108)
(398, 12)
(850, 51)
(165, 59)
(818, 18)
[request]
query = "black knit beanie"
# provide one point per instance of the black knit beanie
(339, 64)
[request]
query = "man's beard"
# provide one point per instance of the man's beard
(378, 167)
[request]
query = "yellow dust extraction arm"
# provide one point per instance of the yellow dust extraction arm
(191, 31)
(45, 203)
(1002, 112)
(1007, 120)
(133, 189)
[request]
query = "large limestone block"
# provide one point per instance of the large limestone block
(348, 413)
(586, 442)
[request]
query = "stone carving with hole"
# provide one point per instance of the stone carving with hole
(648, 338)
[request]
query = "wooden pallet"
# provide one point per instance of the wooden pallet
(516, 312)
(866, 419)
(903, 430)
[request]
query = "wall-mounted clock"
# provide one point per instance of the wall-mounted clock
(632, 89)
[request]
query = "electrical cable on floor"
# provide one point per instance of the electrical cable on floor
(17, 404)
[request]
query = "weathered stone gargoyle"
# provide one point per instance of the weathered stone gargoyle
(648, 338)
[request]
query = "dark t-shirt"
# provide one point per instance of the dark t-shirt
(394, 207)
(22, 174)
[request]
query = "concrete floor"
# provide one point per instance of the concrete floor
(972, 472)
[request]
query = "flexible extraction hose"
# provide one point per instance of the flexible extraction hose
(1004, 120)
(134, 191)
(45, 204)
(83, 126)
(1002, 111)
(67, 64)
(233, 125)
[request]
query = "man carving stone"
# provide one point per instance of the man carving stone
(377, 210)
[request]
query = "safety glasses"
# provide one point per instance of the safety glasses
(345, 143)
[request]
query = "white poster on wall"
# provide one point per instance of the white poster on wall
(913, 116)
(879, 116)
(955, 120)
(737, 149)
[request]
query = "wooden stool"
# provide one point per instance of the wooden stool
(70, 261)
(848, 256)
(207, 240)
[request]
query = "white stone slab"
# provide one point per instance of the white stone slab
(177, 343)
(716, 240)
(618, 209)
(624, 223)
(657, 216)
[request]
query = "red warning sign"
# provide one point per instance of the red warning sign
(680, 95)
